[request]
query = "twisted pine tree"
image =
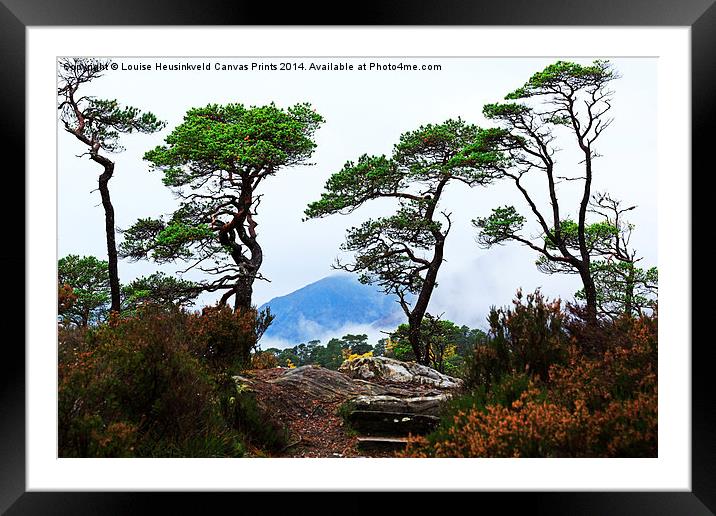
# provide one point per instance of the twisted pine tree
(402, 253)
(564, 97)
(98, 123)
(215, 162)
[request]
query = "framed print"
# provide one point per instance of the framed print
(414, 253)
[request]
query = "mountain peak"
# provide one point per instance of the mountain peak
(329, 305)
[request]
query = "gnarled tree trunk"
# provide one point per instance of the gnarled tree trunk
(109, 231)
(415, 319)
(590, 295)
(243, 292)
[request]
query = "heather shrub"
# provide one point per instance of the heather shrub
(627, 365)
(72, 343)
(504, 392)
(593, 404)
(223, 337)
(136, 389)
(536, 426)
(528, 427)
(528, 338)
(153, 384)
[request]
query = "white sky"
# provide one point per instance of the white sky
(365, 112)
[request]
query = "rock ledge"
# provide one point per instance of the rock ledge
(395, 371)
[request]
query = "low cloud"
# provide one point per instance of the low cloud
(467, 291)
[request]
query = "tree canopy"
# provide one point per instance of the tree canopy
(159, 289)
(98, 123)
(565, 96)
(214, 162)
(402, 253)
(88, 277)
(85, 295)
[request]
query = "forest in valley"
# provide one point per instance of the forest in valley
(142, 372)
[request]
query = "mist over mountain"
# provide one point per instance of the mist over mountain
(331, 307)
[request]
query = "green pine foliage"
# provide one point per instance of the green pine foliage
(215, 162)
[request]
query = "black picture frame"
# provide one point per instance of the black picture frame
(17, 15)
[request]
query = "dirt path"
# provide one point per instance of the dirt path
(316, 429)
(307, 402)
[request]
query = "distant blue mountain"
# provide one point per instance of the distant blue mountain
(328, 305)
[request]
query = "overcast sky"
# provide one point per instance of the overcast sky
(365, 112)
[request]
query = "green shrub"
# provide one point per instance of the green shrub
(454, 366)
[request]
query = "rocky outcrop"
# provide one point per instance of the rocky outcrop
(422, 405)
(380, 398)
(385, 369)
(389, 415)
(318, 382)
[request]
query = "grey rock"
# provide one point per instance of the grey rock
(395, 371)
(424, 405)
